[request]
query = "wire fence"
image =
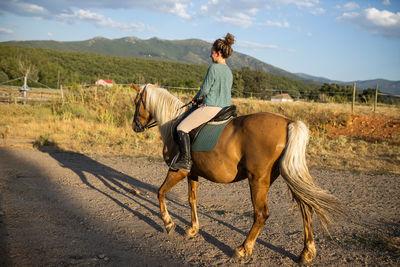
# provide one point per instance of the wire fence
(10, 93)
(266, 93)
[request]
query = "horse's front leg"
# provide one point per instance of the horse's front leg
(173, 177)
(193, 182)
(259, 190)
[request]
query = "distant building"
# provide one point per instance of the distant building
(103, 82)
(282, 98)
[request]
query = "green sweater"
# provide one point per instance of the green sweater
(216, 87)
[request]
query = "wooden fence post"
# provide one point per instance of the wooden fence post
(354, 98)
(58, 79)
(62, 94)
(95, 94)
(376, 98)
(10, 95)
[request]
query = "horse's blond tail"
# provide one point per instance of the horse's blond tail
(295, 172)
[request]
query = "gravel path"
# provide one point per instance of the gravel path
(61, 208)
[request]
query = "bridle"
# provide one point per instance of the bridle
(135, 117)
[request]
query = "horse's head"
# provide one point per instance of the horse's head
(142, 117)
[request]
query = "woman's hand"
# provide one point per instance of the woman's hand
(197, 102)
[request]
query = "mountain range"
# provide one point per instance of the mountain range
(386, 86)
(192, 51)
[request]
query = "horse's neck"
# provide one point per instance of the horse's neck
(170, 149)
(166, 130)
(164, 108)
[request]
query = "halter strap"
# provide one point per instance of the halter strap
(149, 125)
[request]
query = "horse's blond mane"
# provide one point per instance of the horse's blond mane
(163, 107)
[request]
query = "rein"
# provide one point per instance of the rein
(151, 125)
(135, 119)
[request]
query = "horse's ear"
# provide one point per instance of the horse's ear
(134, 86)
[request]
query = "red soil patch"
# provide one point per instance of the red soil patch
(371, 128)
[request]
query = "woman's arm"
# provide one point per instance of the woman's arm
(207, 83)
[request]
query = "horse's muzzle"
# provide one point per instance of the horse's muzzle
(137, 126)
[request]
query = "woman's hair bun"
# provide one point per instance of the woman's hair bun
(224, 45)
(229, 39)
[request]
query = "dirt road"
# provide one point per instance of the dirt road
(61, 208)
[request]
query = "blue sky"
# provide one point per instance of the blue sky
(339, 40)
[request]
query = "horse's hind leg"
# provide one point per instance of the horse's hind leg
(193, 182)
(309, 251)
(170, 181)
(259, 189)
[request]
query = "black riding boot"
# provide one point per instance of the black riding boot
(184, 161)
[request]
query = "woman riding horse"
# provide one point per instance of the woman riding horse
(258, 147)
(214, 94)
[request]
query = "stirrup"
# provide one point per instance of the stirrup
(181, 163)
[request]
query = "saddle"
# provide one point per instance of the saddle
(223, 116)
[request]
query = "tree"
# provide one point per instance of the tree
(27, 69)
(238, 85)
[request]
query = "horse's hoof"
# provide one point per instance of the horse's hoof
(305, 258)
(307, 254)
(240, 253)
(191, 232)
(170, 228)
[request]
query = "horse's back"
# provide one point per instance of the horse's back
(265, 124)
(263, 134)
(247, 142)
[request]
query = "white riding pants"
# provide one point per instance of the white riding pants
(198, 117)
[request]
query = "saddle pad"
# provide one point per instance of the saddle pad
(208, 137)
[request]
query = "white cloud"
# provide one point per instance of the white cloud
(257, 46)
(252, 45)
(318, 11)
(241, 13)
(31, 8)
(386, 2)
(348, 6)
(380, 22)
(100, 20)
(298, 3)
(179, 9)
(278, 24)
(348, 16)
(252, 11)
(309, 5)
(5, 31)
(240, 19)
(53, 8)
(23, 8)
(203, 9)
(49, 34)
(382, 18)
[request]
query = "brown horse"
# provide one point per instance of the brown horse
(258, 147)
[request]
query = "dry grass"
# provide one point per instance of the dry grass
(94, 122)
(343, 152)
